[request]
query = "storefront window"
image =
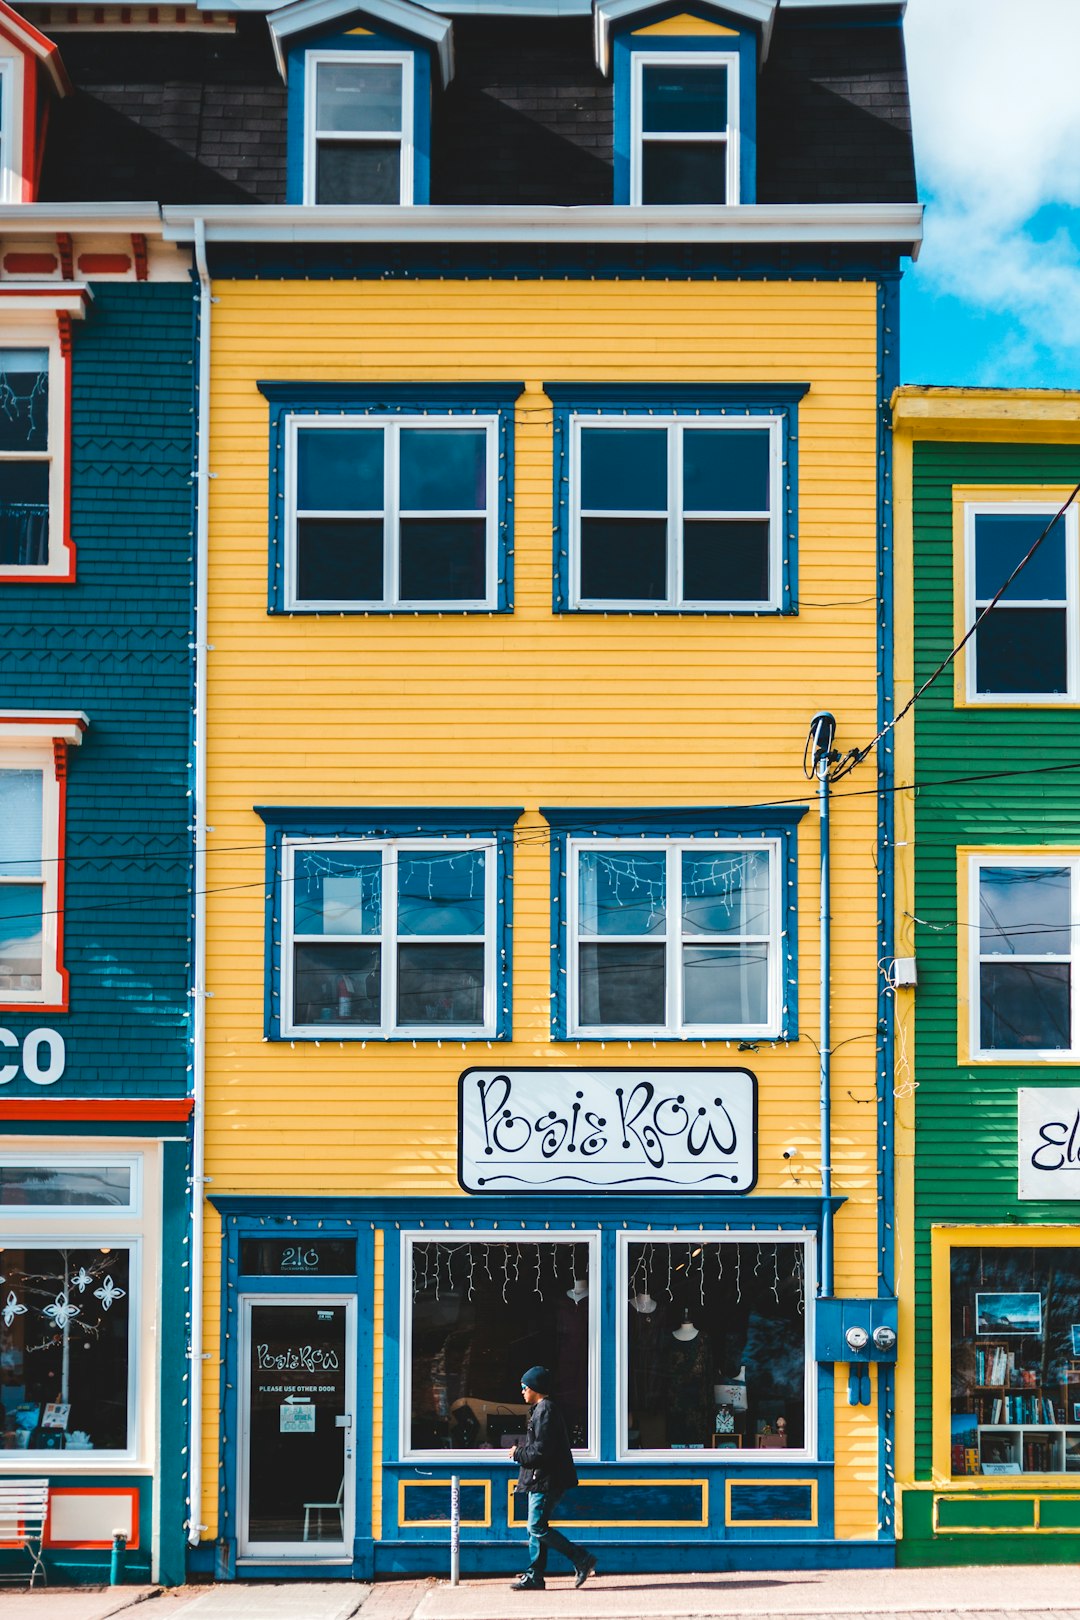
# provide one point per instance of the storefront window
(77, 1185)
(64, 1348)
(1015, 1361)
(481, 1313)
(716, 1352)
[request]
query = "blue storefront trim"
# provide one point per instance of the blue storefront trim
(704, 1534)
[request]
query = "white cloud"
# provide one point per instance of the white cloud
(997, 137)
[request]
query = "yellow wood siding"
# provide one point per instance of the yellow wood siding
(534, 709)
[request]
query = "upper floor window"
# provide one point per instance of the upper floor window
(684, 127)
(35, 389)
(359, 75)
(33, 774)
(390, 507)
(1027, 648)
(675, 500)
(677, 933)
(1026, 922)
(383, 933)
(359, 138)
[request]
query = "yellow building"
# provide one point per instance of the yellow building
(535, 537)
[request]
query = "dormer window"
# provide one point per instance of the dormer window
(360, 79)
(685, 92)
(359, 147)
(685, 128)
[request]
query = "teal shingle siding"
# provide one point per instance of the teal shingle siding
(117, 645)
(965, 1145)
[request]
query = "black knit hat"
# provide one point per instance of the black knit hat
(537, 1378)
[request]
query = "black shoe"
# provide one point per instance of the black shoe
(528, 1583)
(586, 1568)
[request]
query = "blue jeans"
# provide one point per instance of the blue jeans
(542, 1537)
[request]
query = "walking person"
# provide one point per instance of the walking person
(547, 1473)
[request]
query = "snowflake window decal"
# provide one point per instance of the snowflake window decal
(12, 1309)
(62, 1310)
(108, 1292)
(82, 1280)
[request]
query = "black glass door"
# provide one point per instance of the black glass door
(297, 1440)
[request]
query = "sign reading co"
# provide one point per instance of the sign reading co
(41, 1057)
(607, 1130)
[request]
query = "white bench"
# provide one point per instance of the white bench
(24, 1505)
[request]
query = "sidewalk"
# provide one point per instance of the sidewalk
(1046, 1592)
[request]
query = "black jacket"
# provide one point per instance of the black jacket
(544, 1456)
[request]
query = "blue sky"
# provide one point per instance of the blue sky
(994, 299)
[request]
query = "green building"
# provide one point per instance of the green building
(986, 978)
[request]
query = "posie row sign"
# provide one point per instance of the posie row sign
(607, 1130)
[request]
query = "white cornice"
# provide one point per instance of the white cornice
(44, 219)
(24, 726)
(897, 224)
(761, 13)
(31, 297)
(400, 16)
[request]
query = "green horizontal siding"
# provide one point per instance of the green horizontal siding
(965, 1148)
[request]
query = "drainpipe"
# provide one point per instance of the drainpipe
(198, 1021)
(822, 732)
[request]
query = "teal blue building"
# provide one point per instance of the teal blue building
(96, 519)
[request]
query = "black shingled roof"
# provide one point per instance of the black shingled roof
(200, 117)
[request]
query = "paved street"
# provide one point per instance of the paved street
(1048, 1592)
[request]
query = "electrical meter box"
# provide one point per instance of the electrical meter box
(856, 1329)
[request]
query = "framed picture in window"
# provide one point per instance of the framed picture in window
(1018, 1315)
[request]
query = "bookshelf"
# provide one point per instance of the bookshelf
(1016, 1422)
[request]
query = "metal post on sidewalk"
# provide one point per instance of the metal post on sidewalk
(455, 1529)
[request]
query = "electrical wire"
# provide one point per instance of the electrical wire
(855, 756)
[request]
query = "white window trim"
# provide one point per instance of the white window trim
(141, 1235)
(390, 427)
(673, 938)
(973, 510)
(388, 939)
(48, 1160)
(676, 425)
(20, 333)
(730, 136)
(403, 59)
(528, 1239)
(12, 71)
(1022, 1054)
(735, 1456)
(39, 757)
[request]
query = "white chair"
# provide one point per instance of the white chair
(319, 1508)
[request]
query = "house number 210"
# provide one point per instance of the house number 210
(43, 1056)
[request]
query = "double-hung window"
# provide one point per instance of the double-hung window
(25, 458)
(391, 929)
(32, 793)
(679, 498)
(684, 109)
(1025, 922)
(359, 119)
(673, 934)
(1028, 645)
(379, 507)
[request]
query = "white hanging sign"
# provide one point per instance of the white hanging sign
(1048, 1127)
(607, 1130)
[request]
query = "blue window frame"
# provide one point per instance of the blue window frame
(386, 499)
(685, 116)
(674, 923)
(678, 499)
(359, 121)
(388, 923)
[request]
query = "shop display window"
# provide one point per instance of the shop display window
(1015, 1361)
(65, 1348)
(479, 1314)
(716, 1345)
